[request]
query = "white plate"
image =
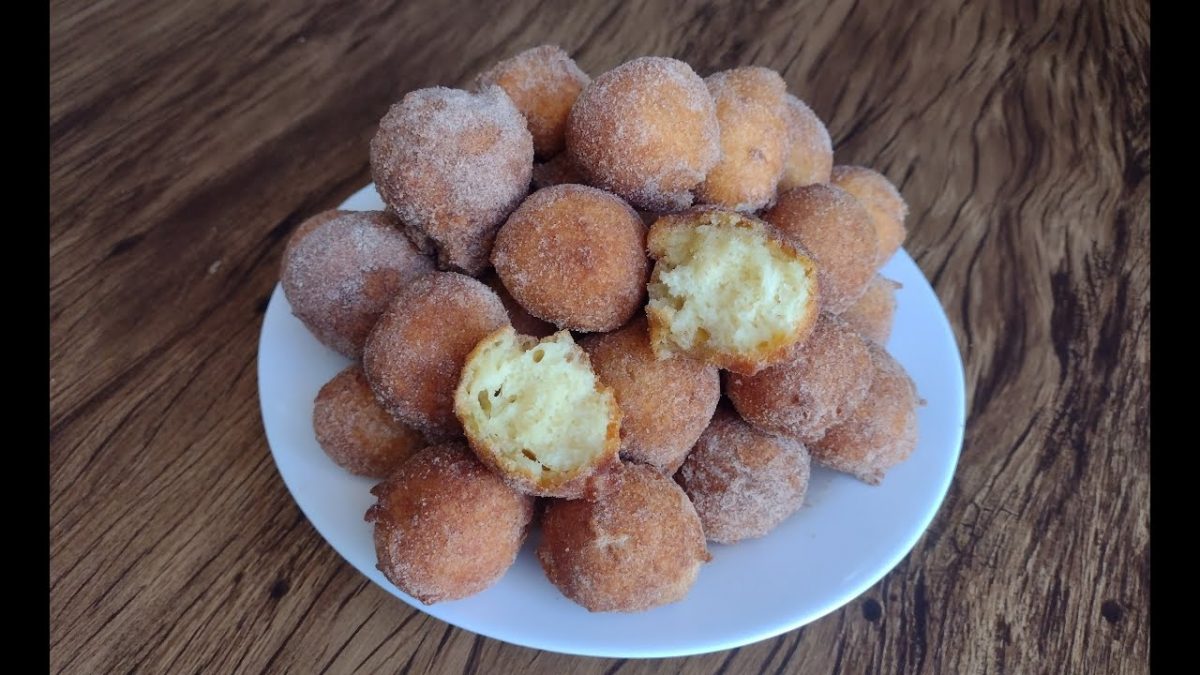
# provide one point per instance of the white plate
(847, 536)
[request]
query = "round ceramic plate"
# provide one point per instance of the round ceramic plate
(847, 536)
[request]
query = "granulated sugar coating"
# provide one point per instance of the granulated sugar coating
(356, 432)
(826, 379)
(557, 171)
(881, 433)
(665, 404)
(646, 130)
(415, 353)
(574, 256)
(809, 159)
(638, 546)
(303, 229)
(742, 481)
(872, 315)
(453, 165)
(543, 82)
(341, 274)
(445, 526)
(522, 321)
(836, 229)
(751, 112)
(882, 200)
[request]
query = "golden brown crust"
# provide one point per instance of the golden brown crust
(341, 272)
(639, 546)
(453, 165)
(445, 526)
(743, 482)
(872, 314)
(809, 159)
(882, 432)
(826, 379)
(356, 432)
(522, 321)
(574, 256)
(543, 83)
(835, 228)
(415, 354)
(882, 200)
(646, 130)
(751, 112)
(752, 361)
(665, 404)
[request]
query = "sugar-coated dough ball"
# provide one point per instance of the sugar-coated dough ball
(873, 313)
(452, 165)
(521, 320)
(751, 111)
(638, 546)
(543, 83)
(574, 256)
(809, 158)
(665, 403)
(742, 481)
(445, 526)
(882, 200)
(415, 354)
(341, 272)
(880, 433)
(646, 130)
(356, 432)
(836, 229)
(825, 380)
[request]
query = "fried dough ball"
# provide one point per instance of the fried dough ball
(809, 158)
(356, 432)
(880, 433)
(836, 229)
(638, 546)
(417, 350)
(825, 381)
(728, 290)
(453, 165)
(883, 201)
(574, 256)
(445, 526)
(559, 170)
(521, 320)
(543, 83)
(751, 112)
(743, 482)
(646, 130)
(665, 404)
(536, 413)
(303, 229)
(872, 314)
(341, 274)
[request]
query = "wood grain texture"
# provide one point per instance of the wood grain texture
(189, 139)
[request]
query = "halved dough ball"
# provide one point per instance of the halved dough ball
(543, 83)
(743, 482)
(356, 432)
(445, 526)
(825, 381)
(340, 271)
(872, 314)
(638, 546)
(646, 130)
(727, 290)
(836, 229)
(880, 433)
(883, 201)
(809, 159)
(665, 403)
(453, 165)
(536, 413)
(417, 350)
(751, 112)
(574, 256)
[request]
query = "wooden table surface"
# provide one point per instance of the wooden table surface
(189, 139)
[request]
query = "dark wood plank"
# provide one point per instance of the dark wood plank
(188, 139)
